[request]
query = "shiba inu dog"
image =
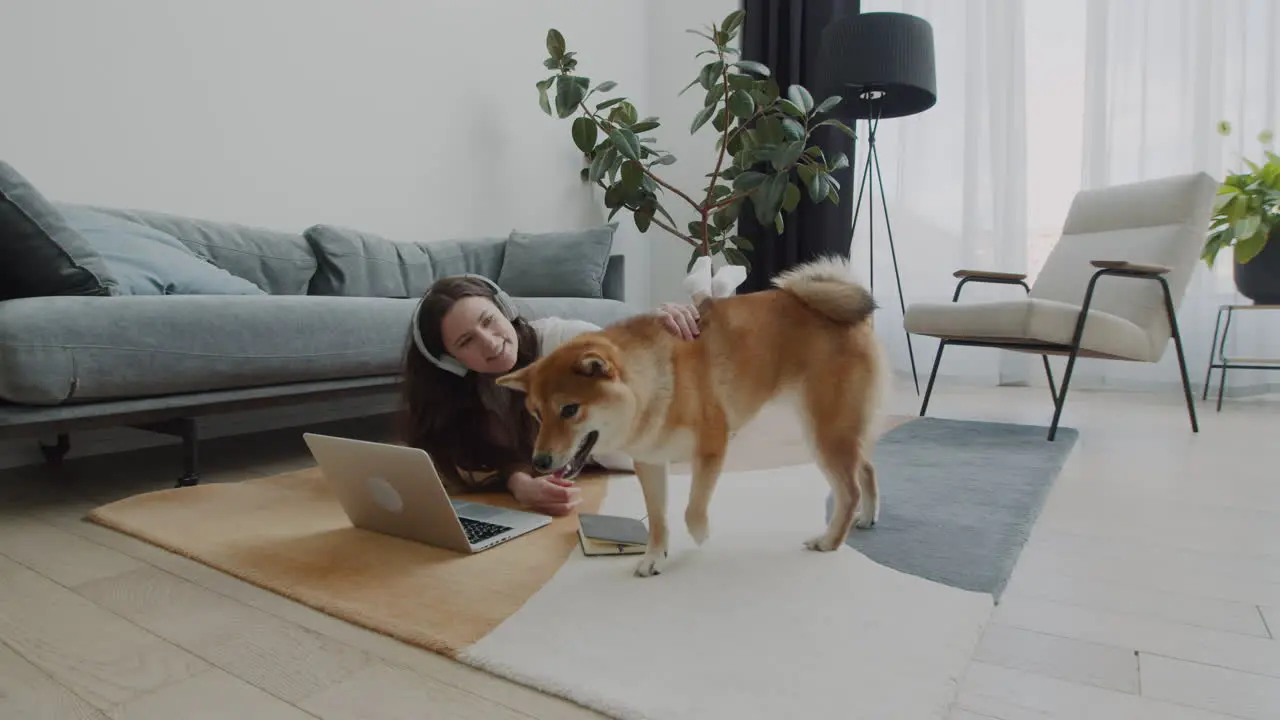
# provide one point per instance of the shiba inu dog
(635, 388)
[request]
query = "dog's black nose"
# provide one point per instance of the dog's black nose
(542, 462)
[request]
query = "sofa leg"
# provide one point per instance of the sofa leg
(54, 454)
(186, 429)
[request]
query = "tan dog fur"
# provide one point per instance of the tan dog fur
(661, 399)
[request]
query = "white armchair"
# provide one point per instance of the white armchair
(1110, 288)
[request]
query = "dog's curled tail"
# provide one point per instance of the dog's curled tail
(827, 285)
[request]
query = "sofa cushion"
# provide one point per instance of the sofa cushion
(363, 264)
(1033, 319)
(146, 261)
(568, 263)
(280, 263)
(80, 349)
(40, 254)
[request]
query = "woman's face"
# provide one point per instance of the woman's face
(476, 333)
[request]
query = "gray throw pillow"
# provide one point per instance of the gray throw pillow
(568, 263)
(147, 261)
(40, 255)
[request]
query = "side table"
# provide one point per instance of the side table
(1220, 347)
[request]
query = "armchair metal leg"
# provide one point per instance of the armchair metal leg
(1182, 360)
(937, 360)
(1048, 373)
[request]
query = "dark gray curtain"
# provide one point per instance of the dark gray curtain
(785, 34)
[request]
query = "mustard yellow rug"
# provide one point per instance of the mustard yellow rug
(288, 534)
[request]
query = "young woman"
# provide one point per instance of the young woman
(465, 334)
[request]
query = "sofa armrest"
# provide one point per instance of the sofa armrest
(614, 286)
(1128, 267)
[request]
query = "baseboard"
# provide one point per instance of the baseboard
(23, 452)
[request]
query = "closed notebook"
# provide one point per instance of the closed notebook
(611, 535)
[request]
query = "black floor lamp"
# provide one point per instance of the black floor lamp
(882, 64)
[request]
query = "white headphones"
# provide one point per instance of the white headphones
(446, 361)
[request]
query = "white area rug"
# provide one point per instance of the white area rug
(750, 625)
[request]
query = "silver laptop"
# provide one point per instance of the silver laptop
(395, 490)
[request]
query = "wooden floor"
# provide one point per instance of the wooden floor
(1150, 588)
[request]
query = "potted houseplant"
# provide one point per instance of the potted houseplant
(765, 159)
(1247, 219)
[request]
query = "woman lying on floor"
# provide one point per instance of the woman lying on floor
(467, 333)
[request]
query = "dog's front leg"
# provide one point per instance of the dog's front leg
(653, 483)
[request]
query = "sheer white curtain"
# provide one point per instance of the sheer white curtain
(1038, 100)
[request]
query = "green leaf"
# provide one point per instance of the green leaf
(701, 118)
(741, 104)
(790, 197)
(710, 73)
(1248, 247)
(787, 155)
(645, 126)
(841, 161)
(767, 198)
(801, 97)
(667, 159)
(714, 94)
(732, 22)
(791, 108)
(742, 242)
(791, 129)
(623, 114)
(736, 257)
(632, 175)
(570, 92)
(839, 126)
(626, 142)
(614, 195)
(584, 133)
(601, 163)
(753, 67)
(555, 44)
(1247, 227)
(779, 224)
(749, 180)
(605, 86)
(609, 103)
(544, 101)
(827, 104)
(585, 174)
(643, 217)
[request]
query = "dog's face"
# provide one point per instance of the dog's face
(580, 403)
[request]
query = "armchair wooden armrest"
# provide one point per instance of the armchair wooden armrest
(988, 275)
(1136, 268)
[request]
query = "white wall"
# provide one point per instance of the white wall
(416, 119)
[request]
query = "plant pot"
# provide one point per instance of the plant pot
(1259, 279)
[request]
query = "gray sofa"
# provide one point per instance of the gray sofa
(171, 318)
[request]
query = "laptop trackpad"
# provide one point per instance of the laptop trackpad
(477, 511)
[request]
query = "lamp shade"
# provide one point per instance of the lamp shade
(881, 63)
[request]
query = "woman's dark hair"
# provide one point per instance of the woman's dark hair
(446, 415)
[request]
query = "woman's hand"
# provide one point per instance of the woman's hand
(681, 320)
(545, 494)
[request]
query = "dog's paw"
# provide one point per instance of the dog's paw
(699, 528)
(651, 564)
(865, 523)
(821, 543)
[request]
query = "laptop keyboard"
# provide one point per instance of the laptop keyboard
(478, 530)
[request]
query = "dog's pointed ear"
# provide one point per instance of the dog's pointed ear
(593, 364)
(518, 380)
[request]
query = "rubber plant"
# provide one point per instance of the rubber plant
(1247, 207)
(764, 157)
